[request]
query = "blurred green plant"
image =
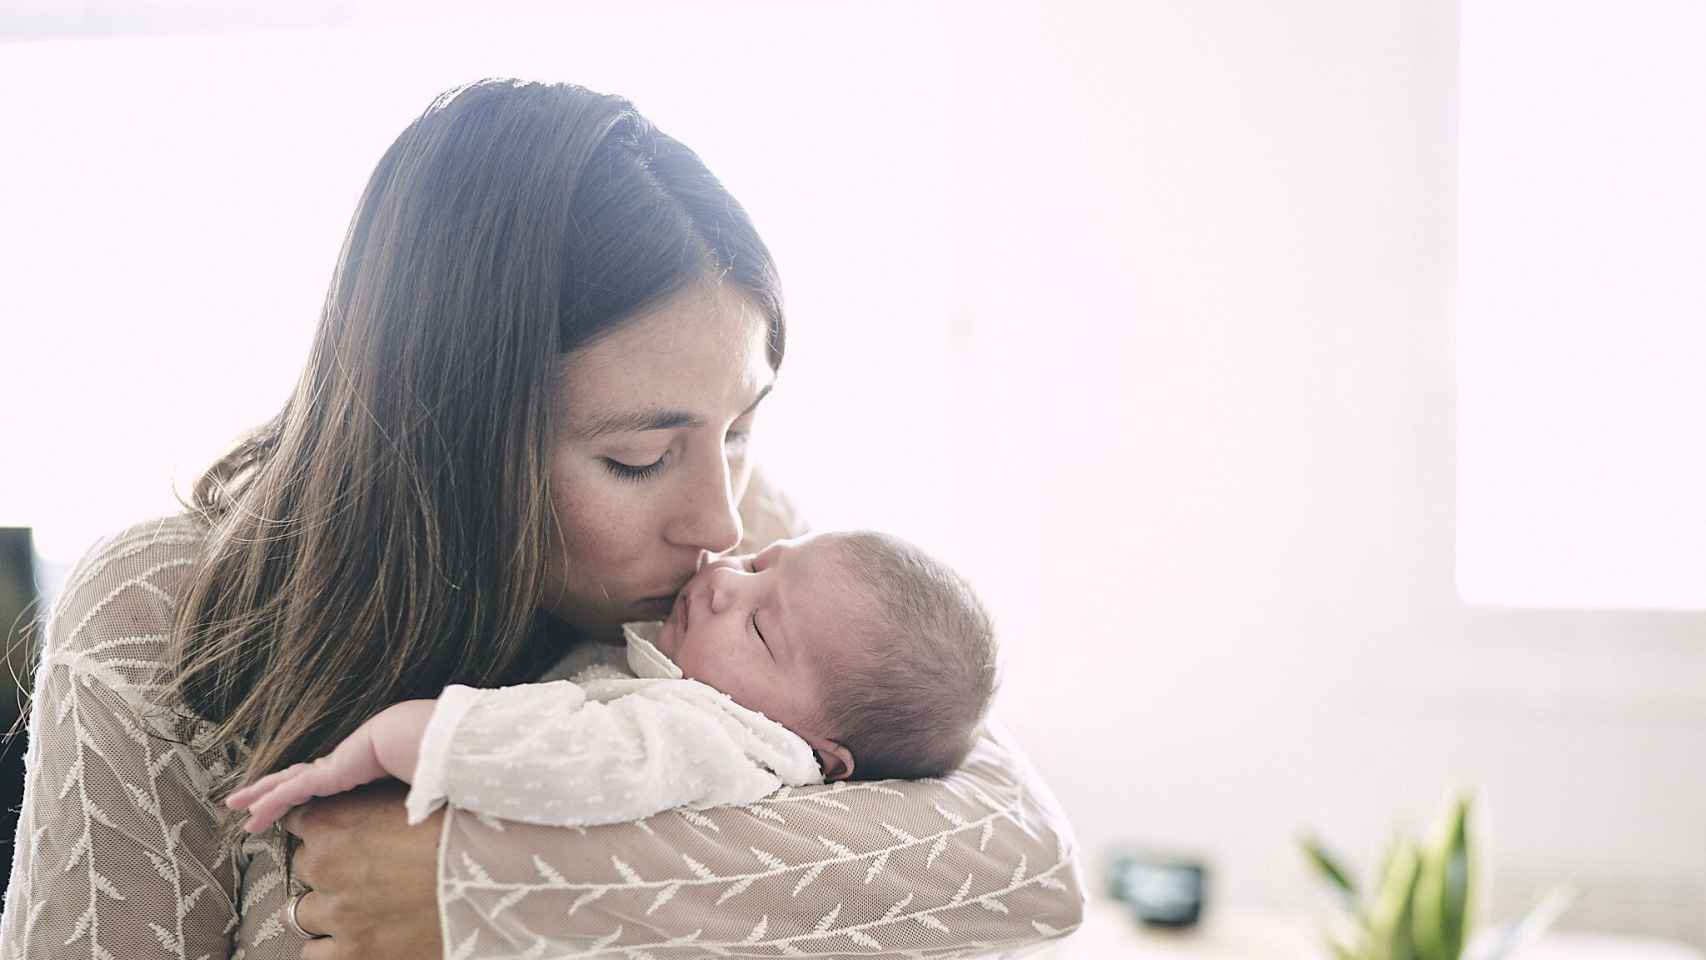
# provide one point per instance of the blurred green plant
(1425, 903)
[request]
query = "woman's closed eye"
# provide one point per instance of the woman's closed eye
(635, 472)
(760, 633)
(734, 444)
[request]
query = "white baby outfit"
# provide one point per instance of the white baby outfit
(607, 746)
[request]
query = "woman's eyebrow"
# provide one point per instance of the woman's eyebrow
(598, 425)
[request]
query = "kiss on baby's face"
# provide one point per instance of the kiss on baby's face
(755, 627)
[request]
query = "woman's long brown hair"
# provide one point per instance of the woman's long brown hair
(384, 535)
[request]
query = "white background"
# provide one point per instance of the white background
(1144, 318)
(179, 200)
(1582, 305)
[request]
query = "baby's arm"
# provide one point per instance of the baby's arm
(387, 745)
(563, 754)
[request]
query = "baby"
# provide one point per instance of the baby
(828, 657)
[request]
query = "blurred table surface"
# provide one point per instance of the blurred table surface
(1110, 932)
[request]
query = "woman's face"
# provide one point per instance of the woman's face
(650, 457)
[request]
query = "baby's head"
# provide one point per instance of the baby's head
(876, 654)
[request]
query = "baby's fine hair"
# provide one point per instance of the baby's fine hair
(911, 687)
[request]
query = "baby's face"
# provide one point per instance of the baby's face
(755, 627)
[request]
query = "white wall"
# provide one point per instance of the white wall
(1188, 421)
(1212, 429)
(1581, 305)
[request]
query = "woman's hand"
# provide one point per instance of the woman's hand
(374, 878)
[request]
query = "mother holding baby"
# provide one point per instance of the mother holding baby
(526, 416)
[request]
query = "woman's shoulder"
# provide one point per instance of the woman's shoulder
(121, 597)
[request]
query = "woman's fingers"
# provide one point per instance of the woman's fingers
(311, 913)
(379, 875)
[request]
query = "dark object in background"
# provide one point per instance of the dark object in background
(1162, 891)
(18, 616)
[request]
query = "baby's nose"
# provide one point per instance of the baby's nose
(719, 588)
(721, 597)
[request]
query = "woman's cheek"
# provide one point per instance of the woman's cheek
(600, 516)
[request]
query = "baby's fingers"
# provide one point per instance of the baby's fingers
(246, 795)
(301, 787)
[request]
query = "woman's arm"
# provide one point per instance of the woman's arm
(980, 860)
(117, 852)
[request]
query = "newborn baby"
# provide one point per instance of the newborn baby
(833, 656)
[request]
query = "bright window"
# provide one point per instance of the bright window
(1581, 331)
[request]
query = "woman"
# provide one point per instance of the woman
(524, 420)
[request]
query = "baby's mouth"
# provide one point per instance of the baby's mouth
(680, 613)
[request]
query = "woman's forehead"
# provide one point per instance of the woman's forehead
(703, 353)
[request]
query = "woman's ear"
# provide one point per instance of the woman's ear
(835, 760)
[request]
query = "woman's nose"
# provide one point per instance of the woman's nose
(709, 518)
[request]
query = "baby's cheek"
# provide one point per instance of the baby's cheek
(704, 663)
(756, 689)
(691, 664)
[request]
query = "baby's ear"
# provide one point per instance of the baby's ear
(835, 760)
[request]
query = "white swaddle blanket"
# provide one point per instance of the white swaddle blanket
(603, 747)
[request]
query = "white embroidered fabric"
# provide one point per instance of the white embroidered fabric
(608, 746)
(115, 855)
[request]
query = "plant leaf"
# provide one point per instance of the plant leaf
(1446, 886)
(1389, 914)
(1328, 866)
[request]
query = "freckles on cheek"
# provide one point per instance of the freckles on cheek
(600, 525)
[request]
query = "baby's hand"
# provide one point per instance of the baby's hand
(384, 746)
